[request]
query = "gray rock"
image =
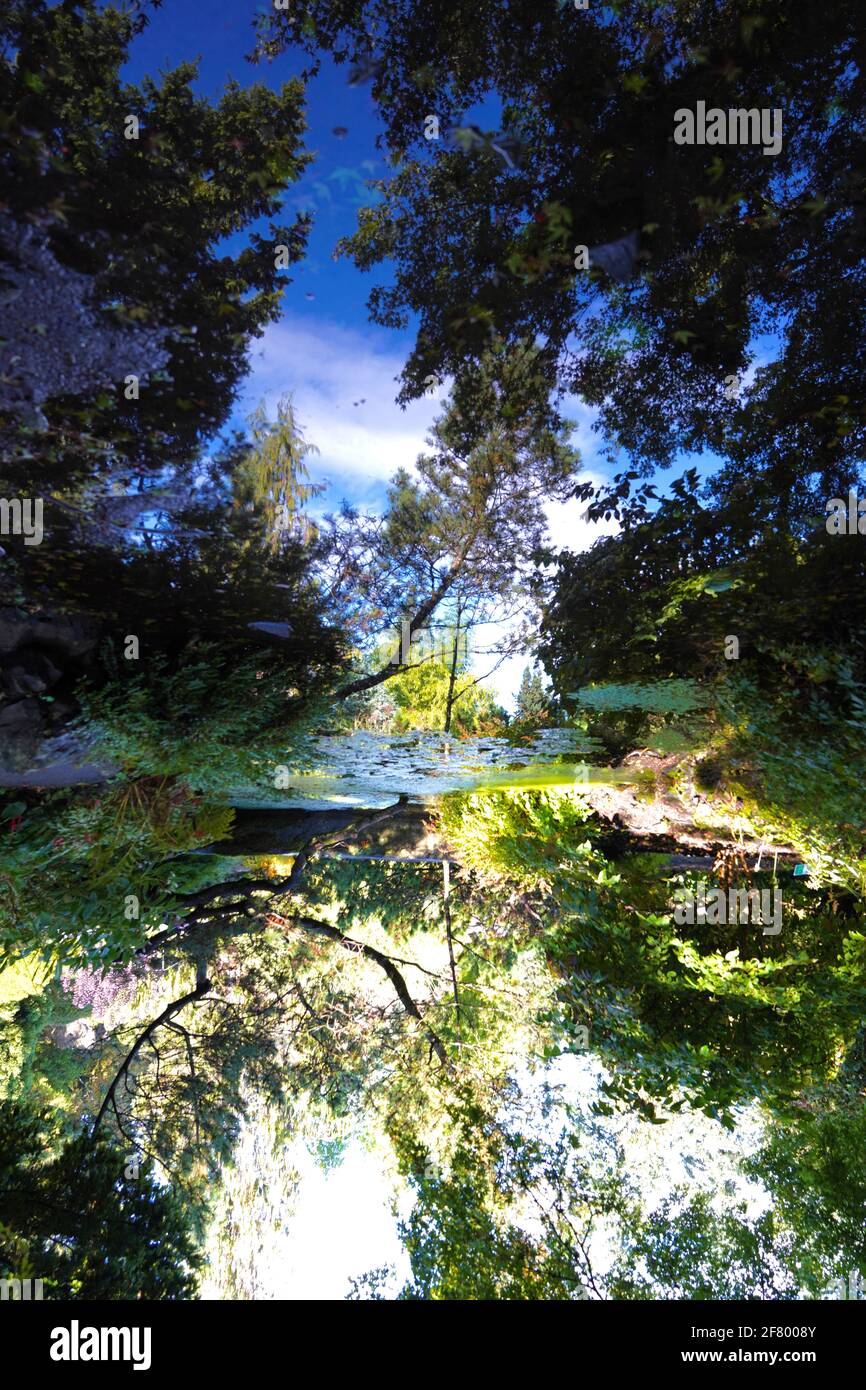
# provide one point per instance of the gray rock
(14, 630)
(31, 672)
(63, 774)
(76, 348)
(22, 715)
(62, 709)
(618, 258)
(69, 633)
(80, 1033)
(21, 734)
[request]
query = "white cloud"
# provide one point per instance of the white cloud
(568, 528)
(327, 367)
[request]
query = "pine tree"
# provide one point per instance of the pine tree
(532, 701)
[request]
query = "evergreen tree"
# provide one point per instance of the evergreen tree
(532, 701)
(647, 267)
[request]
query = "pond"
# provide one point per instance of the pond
(372, 769)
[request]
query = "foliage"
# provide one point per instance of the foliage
(697, 574)
(533, 702)
(664, 697)
(813, 1164)
(76, 862)
(526, 836)
(29, 1066)
(462, 529)
(313, 998)
(706, 1015)
(420, 695)
(798, 778)
(77, 1221)
(271, 479)
(693, 1247)
(727, 244)
(148, 219)
(215, 726)
(513, 1214)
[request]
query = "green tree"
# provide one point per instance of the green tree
(80, 1221)
(148, 219)
(433, 691)
(459, 534)
(511, 1211)
(704, 565)
(812, 1163)
(272, 478)
(716, 246)
(689, 1248)
(532, 699)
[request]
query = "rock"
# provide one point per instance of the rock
(618, 258)
(30, 673)
(62, 709)
(78, 348)
(21, 733)
(14, 630)
(20, 716)
(71, 634)
(62, 774)
(80, 1033)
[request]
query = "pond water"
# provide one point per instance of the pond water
(371, 769)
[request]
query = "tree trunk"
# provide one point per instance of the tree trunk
(285, 832)
(452, 678)
(424, 612)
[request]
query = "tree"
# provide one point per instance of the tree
(87, 1220)
(679, 1015)
(511, 1209)
(716, 246)
(688, 1249)
(812, 1162)
(272, 478)
(435, 691)
(464, 527)
(144, 210)
(532, 699)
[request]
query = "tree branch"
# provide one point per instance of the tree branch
(174, 1008)
(310, 924)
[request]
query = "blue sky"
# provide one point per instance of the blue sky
(340, 368)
